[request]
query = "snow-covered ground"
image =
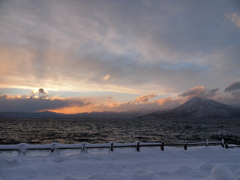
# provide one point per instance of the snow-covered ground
(207, 163)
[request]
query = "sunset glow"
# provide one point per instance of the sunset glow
(84, 56)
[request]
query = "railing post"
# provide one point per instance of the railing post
(111, 147)
(185, 145)
(22, 149)
(206, 142)
(162, 146)
(53, 148)
(83, 147)
(138, 146)
(223, 143)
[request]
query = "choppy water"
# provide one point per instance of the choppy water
(70, 131)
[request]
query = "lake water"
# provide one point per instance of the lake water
(70, 131)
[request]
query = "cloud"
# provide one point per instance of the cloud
(232, 100)
(236, 94)
(42, 91)
(106, 77)
(233, 87)
(160, 47)
(28, 104)
(145, 98)
(212, 92)
(88, 104)
(199, 91)
(235, 18)
(110, 105)
(163, 101)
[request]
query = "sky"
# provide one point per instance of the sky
(74, 56)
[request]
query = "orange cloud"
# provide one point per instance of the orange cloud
(106, 77)
(235, 19)
(71, 110)
(145, 98)
(87, 108)
(169, 102)
(163, 101)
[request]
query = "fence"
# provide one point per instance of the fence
(53, 147)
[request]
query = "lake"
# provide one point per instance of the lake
(70, 131)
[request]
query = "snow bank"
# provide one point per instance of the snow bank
(209, 163)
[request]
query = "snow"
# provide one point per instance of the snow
(197, 108)
(209, 163)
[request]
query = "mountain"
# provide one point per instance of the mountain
(92, 115)
(197, 108)
(194, 108)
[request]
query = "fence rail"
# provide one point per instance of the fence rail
(23, 147)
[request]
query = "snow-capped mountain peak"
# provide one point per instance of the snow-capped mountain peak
(199, 108)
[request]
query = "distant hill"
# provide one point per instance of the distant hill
(92, 115)
(194, 108)
(197, 108)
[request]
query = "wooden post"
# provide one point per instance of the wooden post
(55, 149)
(162, 146)
(83, 147)
(223, 143)
(52, 148)
(111, 147)
(22, 149)
(185, 145)
(138, 146)
(206, 142)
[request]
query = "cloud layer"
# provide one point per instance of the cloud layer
(199, 91)
(70, 105)
(144, 48)
(30, 104)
